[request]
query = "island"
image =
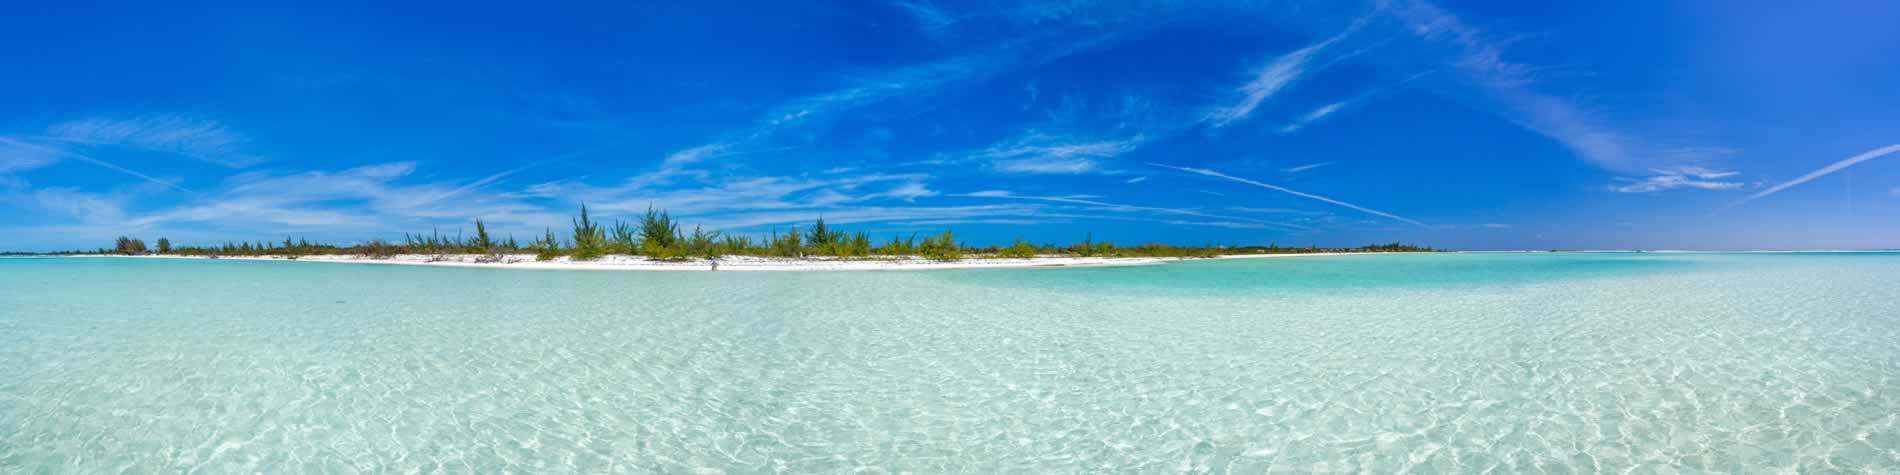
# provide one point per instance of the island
(657, 241)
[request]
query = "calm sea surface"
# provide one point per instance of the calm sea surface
(1512, 363)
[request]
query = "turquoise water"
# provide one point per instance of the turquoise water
(1510, 363)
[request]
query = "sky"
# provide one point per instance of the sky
(1462, 125)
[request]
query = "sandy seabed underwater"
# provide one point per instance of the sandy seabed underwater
(1517, 363)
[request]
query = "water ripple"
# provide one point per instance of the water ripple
(1748, 366)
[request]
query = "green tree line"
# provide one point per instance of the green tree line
(657, 235)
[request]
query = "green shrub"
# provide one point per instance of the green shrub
(822, 238)
(1020, 250)
(859, 245)
(380, 249)
(736, 245)
(942, 247)
(657, 232)
(702, 244)
(624, 240)
(547, 248)
(590, 241)
(788, 245)
(661, 250)
(482, 244)
(899, 246)
(129, 246)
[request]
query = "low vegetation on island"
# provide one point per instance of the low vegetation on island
(656, 235)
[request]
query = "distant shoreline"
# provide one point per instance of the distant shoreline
(739, 263)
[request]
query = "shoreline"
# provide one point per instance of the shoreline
(743, 263)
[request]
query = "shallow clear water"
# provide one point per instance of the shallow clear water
(1428, 363)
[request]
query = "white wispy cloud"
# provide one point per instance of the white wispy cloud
(63, 216)
(367, 198)
(908, 192)
(1292, 211)
(1093, 203)
(44, 151)
(1678, 177)
(929, 17)
(867, 214)
(493, 178)
(1000, 221)
(16, 156)
(1207, 172)
(1497, 225)
(1580, 128)
(1135, 180)
(1077, 137)
(1047, 165)
(680, 168)
(864, 91)
(923, 80)
(720, 198)
(1318, 113)
(1008, 194)
(1271, 79)
(201, 139)
(675, 165)
(1693, 154)
(1328, 110)
(387, 197)
(684, 183)
(1037, 153)
(1216, 224)
(1306, 167)
(873, 89)
(86, 207)
(1699, 172)
(1824, 171)
(918, 86)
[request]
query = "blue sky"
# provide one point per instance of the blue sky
(1470, 125)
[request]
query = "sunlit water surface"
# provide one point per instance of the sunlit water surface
(1515, 363)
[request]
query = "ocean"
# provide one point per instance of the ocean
(1427, 363)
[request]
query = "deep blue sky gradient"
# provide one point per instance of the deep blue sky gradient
(1471, 125)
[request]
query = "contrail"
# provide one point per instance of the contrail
(94, 161)
(1824, 171)
(1088, 202)
(1203, 171)
(490, 179)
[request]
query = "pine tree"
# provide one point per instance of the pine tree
(482, 242)
(588, 237)
(657, 232)
(822, 237)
